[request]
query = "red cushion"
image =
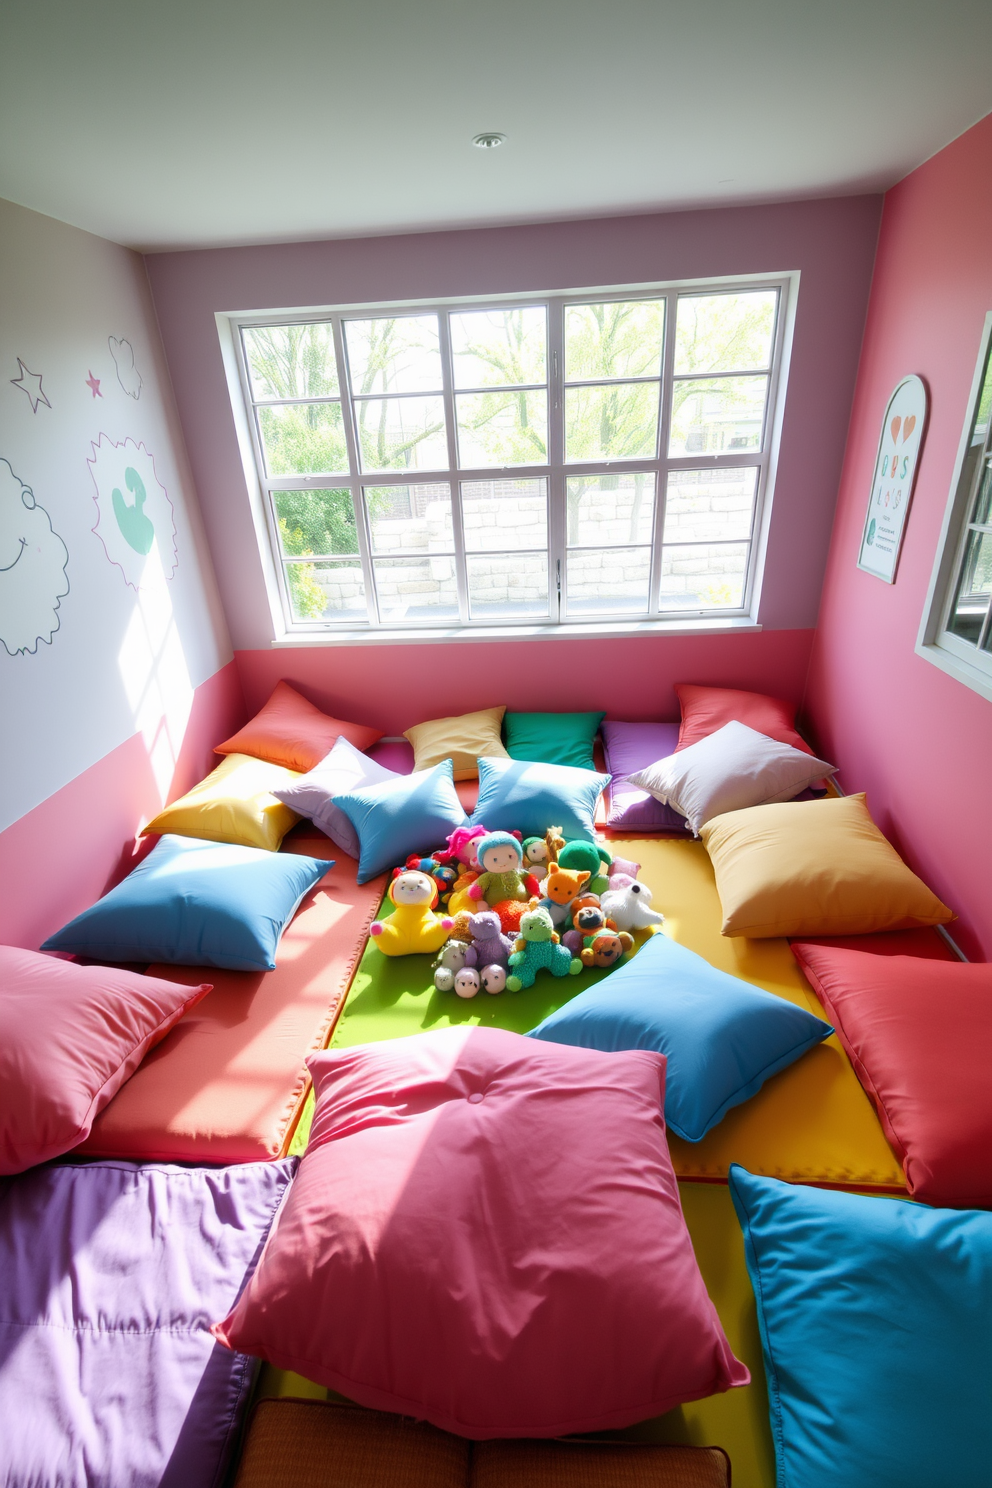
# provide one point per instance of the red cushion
(919, 1034)
(706, 709)
(290, 731)
(485, 1233)
(69, 1037)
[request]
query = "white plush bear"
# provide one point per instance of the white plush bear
(630, 907)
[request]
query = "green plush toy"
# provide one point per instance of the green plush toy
(538, 949)
(591, 858)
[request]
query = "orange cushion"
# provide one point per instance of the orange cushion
(290, 731)
(706, 709)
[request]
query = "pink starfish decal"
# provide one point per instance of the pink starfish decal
(93, 383)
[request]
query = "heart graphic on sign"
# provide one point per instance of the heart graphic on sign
(895, 426)
(908, 427)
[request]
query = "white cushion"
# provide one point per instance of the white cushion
(731, 769)
(344, 769)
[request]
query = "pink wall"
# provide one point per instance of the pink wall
(394, 687)
(60, 857)
(831, 243)
(916, 739)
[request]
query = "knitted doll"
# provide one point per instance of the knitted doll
(501, 859)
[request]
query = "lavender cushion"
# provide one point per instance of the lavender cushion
(343, 769)
(110, 1273)
(630, 747)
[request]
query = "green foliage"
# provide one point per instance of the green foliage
(307, 597)
(316, 522)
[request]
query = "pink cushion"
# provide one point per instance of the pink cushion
(69, 1038)
(485, 1233)
(706, 709)
(919, 1034)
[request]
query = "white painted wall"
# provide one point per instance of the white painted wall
(135, 636)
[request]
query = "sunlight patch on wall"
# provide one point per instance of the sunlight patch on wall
(155, 676)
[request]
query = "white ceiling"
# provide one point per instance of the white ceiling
(188, 123)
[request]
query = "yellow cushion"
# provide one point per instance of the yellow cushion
(233, 804)
(462, 740)
(813, 868)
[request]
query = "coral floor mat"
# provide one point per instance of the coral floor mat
(228, 1083)
(737, 1421)
(321, 1444)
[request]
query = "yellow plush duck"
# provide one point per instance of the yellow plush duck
(413, 928)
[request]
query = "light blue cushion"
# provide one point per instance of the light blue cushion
(721, 1036)
(198, 904)
(530, 797)
(874, 1318)
(414, 813)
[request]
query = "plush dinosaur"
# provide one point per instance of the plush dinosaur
(538, 950)
(594, 859)
(413, 926)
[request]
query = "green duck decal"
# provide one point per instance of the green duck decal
(137, 529)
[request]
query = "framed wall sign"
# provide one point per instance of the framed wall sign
(903, 428)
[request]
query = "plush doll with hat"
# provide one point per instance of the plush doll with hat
(413, 927)
(536, 856)
(501, 858)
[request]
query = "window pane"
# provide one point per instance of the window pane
(398, 354)
(980, 428)
(416, 588)
(410, 519)
(709, 577)
(501, 514)
(612, 423)
(505, 584)
(327, 591)
(610, 582)
(402, 433)
(717, 415)
(295, 361)
(707, 505)
(725, 332)
(493, 348)
(614, 340)
(302, 438)
(983, 505)
(605, 510)
(502, 429)
(974, 588)
(315, 522)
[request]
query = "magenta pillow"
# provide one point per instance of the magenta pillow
(69, 1037)
(630, 747)
(485, 1233)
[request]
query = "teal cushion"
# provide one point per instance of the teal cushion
(552, 738)
(525, 796)
(196, 903)
(413, 813)
(874, 1317)
(722, 1037)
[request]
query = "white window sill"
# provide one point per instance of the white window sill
(617, 630)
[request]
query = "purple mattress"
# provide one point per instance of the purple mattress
(110, 1275)
(630, 747)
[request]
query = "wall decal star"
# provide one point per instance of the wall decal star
(93, 383)
(35, 394)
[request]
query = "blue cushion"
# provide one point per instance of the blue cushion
(414, 813)
(722, 1037)
(196, 903)
(530, 797)
(874, 1318)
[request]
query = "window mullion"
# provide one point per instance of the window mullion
(355, 481)
(557, 515)
(454, 484)
(664, 439)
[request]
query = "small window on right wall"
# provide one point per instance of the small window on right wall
(956, 633)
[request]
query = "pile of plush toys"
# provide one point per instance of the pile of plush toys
(496, 908)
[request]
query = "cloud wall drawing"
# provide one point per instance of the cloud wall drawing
(127, 373)
(134, 513)
(33, 560)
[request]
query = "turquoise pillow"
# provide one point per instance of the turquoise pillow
(552, 738)
(721, 1036)
(414, 813)
(874, 1317)
(525, 796)
(198, 904)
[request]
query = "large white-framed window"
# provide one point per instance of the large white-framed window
(956, 632)
(552, 462)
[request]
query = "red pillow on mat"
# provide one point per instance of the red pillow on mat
(919, 1034)
(706, 709)
(290, 731)
(69, 1038)
(485, 1233)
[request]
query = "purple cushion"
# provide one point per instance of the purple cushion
(630, 747)
(110, 1273)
